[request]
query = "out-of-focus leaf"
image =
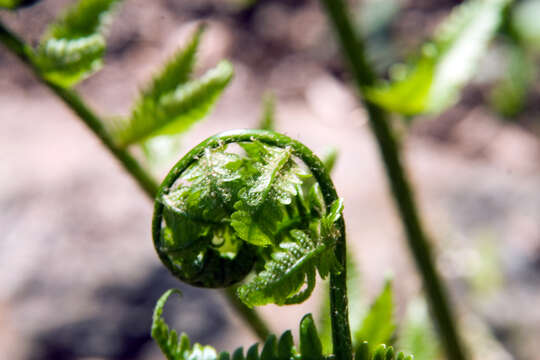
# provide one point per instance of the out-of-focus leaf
(417, 335)
(525, 22)
(374, 15)
(73, 46)
(374, 19)
(268, 121)
(508, 96)
(378, 325)
(330, 158)
(434, 80)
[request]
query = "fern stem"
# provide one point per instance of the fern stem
(75, 103)
(353, 49)
(145, 180)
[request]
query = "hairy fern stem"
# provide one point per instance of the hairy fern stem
(353, 50)
(146, 182)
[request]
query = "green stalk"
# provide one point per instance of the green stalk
(144, 179)
(75, 103)
(353, 48)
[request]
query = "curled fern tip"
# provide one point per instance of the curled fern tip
(248, 205)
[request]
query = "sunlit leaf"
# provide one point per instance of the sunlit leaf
(73, 46)
(174, 111)
(433, 82)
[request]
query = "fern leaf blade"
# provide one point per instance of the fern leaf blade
(177, 70)
(284, 274)
(177, 110)
(167, 340)
(310, 343)
(73, 46)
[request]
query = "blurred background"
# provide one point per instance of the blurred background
(78, 273)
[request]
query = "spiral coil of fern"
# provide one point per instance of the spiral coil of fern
(219, 215)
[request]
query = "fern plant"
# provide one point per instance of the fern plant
(255, 211)
(220, 214)
(256, 208)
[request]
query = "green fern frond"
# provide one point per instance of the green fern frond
(173, 103)
(446, 63)
(176, 111)
(176, 71)
(168, 341)
(293, 264)
(73, 47)
(310, 347)
(275, 183)
(228, 204)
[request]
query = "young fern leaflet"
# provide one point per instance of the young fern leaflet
(73, 47)
(224, 212)
(227, 213)
(310, 348)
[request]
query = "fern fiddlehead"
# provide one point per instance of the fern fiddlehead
(241, 202)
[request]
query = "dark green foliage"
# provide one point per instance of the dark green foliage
(173, 101)
(310, 343)
(284, 349)
(73, 47)
(270, 348)
(228, 212)
(286, 345)
(362, 351)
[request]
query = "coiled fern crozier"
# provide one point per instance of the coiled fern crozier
(220, 214)
(256, 207)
